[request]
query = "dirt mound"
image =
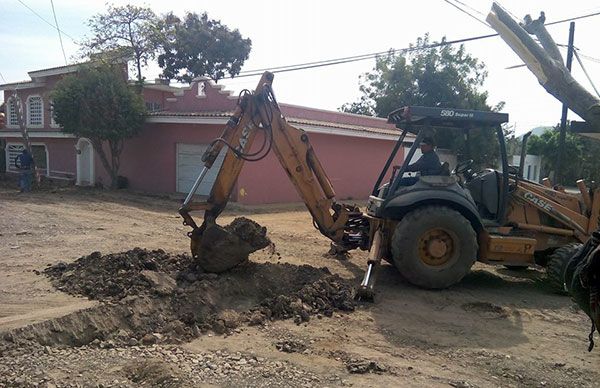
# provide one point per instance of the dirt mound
(153, 297)
(116, 275)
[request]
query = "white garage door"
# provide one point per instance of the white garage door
(189, 166)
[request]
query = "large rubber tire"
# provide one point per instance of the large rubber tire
(557, 265)
(408, 241)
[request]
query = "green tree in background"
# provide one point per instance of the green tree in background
(580, 153)
(97, 103)
(198, 46)
(431, 74)
(123, 33)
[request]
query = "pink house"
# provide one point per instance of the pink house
(166, 156)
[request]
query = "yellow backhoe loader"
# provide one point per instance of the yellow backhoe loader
(432, 231)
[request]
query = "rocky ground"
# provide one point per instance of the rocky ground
(79, 306)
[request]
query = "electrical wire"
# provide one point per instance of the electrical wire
(356, 58)
(589, 58)
(585, 72)
(46, 21)
(59, 33)
(329, 62)
(467, 13)
(471, 8)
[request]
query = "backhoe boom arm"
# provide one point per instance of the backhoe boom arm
(259, 112)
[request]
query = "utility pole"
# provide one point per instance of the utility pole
(563, 119)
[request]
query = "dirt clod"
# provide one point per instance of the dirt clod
(218, 249)
(290, 346)
(250, 232)
(365, 366)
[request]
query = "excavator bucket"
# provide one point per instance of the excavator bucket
(218, 249)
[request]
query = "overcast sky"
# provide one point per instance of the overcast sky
(290, 32)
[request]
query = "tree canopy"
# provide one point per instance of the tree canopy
(431, 74)
(199, 46)
(97, 103)
(125, 32)
(579, 151)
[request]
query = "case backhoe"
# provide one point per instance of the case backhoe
(432, 231)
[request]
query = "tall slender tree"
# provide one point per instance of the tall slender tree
(123, 33)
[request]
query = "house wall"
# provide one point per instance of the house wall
(210, 98)
(45, 92)
(352, 164)
(149, 160)
(533, 167)
(61, 156)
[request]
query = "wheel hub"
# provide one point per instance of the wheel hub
(436, 247)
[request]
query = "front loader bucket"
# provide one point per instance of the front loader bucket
(218, 249)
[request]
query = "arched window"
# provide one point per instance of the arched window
(35, 111)
(11, 113)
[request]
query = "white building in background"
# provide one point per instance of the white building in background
(533, 167)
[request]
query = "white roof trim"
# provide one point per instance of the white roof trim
(187, 120)
(380, 119)
(38, 134)
(22, 85)
(161, 87)
(55, 71)
(307, 128)
(346, 132)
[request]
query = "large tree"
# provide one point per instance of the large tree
(431, 74)
(123, 33)
(97, 103)
(198, 46)
(580, 152)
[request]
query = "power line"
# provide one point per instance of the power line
(573, 18)
(466, 12)
(59, 33)
(589, 58)
(585, 72)
(46, 21)
(337, 61)
(471, 8)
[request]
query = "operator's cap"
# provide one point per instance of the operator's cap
(428, 140)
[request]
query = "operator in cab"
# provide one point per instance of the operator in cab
(427, 164)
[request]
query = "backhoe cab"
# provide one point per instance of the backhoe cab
(439, 226)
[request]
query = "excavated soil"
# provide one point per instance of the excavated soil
(150, 296)
(218, 249)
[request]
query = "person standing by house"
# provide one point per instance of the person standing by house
(24, 162)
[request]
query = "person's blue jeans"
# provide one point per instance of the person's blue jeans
(25, 180)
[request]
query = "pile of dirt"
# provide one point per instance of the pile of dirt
(115, 276)
(154, 297)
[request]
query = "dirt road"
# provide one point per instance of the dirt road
(496, 328)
